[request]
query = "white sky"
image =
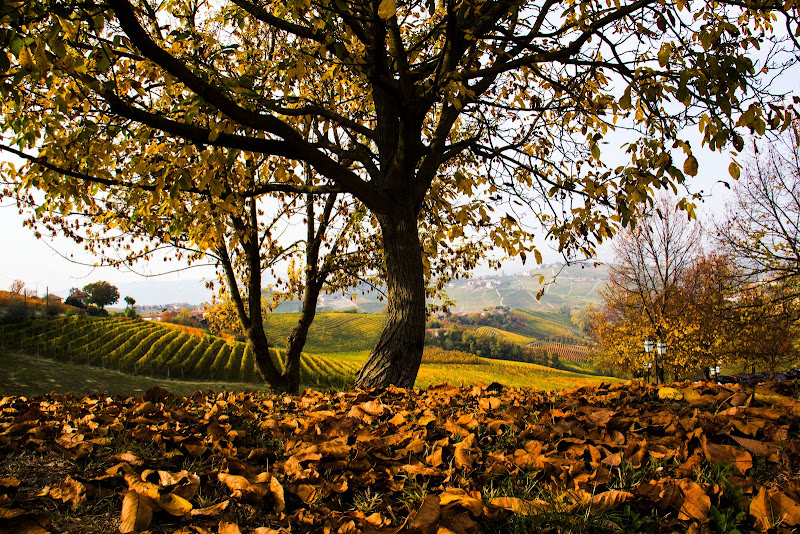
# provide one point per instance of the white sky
(36, 262)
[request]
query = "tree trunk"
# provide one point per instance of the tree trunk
(297, 337)
(396, 358)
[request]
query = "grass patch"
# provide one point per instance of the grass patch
(23, 374)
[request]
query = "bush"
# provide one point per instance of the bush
(53, 307)
(94, 311)
(16, 312)
(130, 313)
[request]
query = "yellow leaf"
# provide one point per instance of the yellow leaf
(175, 504)
(387, 9)
(667, 393)
(137, 511)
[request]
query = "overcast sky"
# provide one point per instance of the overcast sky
(41, 265)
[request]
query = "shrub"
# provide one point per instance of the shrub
(94, 311)
(16, 312)
(72, 301)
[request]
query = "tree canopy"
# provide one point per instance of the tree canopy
(102, 293)
(409, 107)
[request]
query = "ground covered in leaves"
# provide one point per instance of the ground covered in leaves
(622, 458)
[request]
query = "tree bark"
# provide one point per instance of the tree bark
(297, 337)
(396, 358)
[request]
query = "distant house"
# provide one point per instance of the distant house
(80, 296)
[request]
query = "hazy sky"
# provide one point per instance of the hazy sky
(38, 263)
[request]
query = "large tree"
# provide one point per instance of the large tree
(644, 297)
(409, 102)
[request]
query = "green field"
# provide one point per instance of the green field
(330, 332)
(122, 355)
(159, 350)
(547, 326)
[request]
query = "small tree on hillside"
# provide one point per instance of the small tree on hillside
(17, 286)
(102, 293)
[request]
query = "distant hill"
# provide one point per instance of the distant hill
(573, 286)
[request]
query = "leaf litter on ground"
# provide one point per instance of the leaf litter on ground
(446, 459)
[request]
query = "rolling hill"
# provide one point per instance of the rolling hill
(164, 351)
(157, 349)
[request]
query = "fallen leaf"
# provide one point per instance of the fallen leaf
(772, 507)
(608, 500)
(70, 491)
(9, 482)
(127, 457)
(428, 513)
(211, 511)
(276, 490)
(175, 504)
(228, 528)
(696, 503)
(668, 393)
(740, 459)
(137, 512)
(464, 454)
(475, 506)
(234, 482)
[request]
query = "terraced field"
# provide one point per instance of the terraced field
(573, 353)
(546, 327)
(330, 332)
(158, 349)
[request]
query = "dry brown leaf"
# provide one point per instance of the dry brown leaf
(517, 505)
(127, 457)
(348, 528)
(428, 513)
(306, 492)
(741, 459)
(70, 491)
(211, 511)
(600, 417)
(609, 500)
(137, 512)
(228, 528)
(175, 504)
(696, 503)
(460, 497)
(464, 452)
(234, 482)
(9, 482)
(23, 522)
(276, 490)
(489, 403)
(772, 507)
(757, 447)
(189, 487)
(435, 459)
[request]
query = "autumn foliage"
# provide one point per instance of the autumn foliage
(448, 459)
